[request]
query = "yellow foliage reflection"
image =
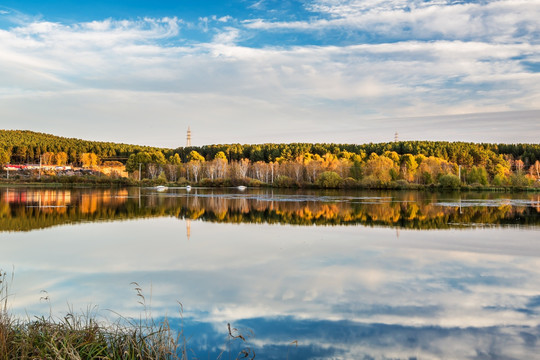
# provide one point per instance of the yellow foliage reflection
(24, 209)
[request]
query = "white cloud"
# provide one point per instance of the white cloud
(228, 36)
(298, 87)
(223, 19)
(502, 21)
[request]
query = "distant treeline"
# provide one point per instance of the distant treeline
(27, 146)
(462, 153)
(449, 164)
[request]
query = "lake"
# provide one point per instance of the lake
(301, 274)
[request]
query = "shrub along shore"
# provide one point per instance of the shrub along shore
(446, 183)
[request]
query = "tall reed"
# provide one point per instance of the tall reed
(83, 337)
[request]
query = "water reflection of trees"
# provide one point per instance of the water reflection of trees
(27, 209)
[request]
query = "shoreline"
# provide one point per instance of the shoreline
(101, 182)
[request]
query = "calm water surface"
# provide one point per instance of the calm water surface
(346, 275)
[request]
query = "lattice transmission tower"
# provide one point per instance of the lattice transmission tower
(188, 138)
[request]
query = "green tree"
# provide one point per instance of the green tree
(356, 170)
(477, 175)
(449, 181)
(519, 180)
(20, 152)
(157, 157)
(500, 180)
(408, 166)
(175, 159)
(5, 156)
(330, 179)
(141, 159)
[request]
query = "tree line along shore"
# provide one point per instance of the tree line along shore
(42, 157)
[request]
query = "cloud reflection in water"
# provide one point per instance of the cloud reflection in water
(342, 292)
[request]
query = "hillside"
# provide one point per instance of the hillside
(23, 146)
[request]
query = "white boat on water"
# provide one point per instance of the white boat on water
(160, 188)
(241, 187)
(188, 188)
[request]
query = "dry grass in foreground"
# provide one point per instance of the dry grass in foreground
(82, 337)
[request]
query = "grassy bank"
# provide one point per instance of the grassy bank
(281, 182)
(83, 336)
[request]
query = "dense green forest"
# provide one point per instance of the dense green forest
(295, 164)
(23, 146)
(27, 146)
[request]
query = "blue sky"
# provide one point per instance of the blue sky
(248, 71)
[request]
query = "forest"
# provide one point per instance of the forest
(448, 164)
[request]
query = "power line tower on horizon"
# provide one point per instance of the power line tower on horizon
(188, 139)
(396, 137)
